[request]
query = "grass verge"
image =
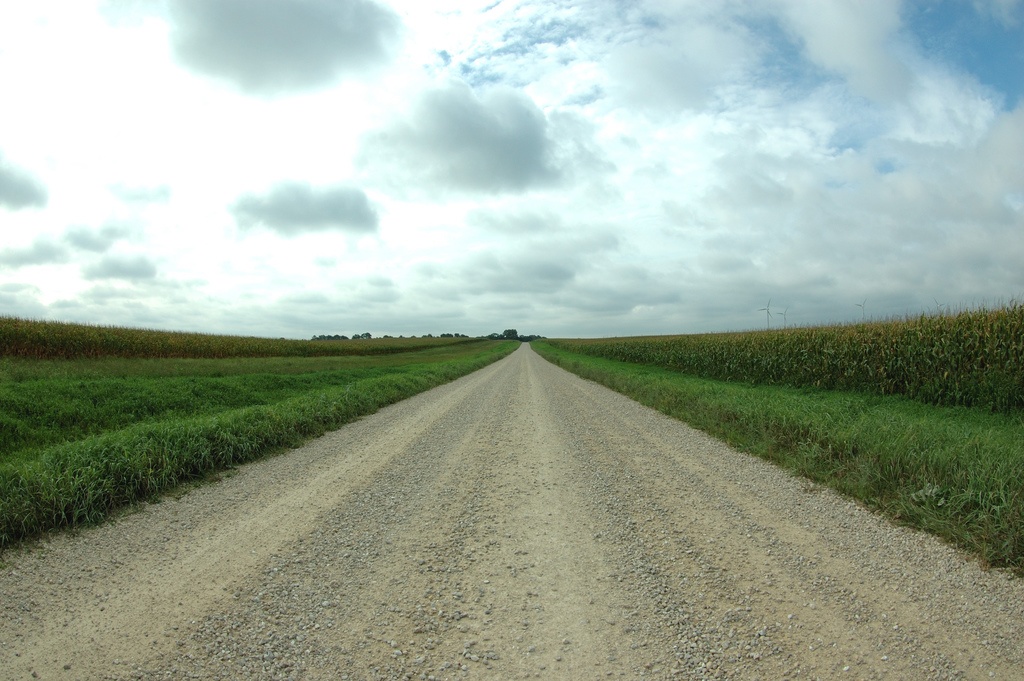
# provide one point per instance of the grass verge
(81, 482)
(953, 471)
(46, 402)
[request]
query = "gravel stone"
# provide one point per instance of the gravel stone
(516, 523)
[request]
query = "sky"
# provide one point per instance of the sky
(587, 168)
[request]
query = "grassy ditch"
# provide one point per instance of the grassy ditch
(953, 471)
(158, 428)
(46, 402)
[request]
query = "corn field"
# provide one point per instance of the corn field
(973, 358)
(31, 339)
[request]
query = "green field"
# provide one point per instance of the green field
(920, 456)
(83, 436)
(30, 339)
(974, 358)
(920, 418)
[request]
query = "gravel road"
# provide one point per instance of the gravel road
(517, 523)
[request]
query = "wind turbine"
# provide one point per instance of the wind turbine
(784, 317)
(861, 306)
(767, 313)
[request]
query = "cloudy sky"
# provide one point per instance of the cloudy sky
(563, 167)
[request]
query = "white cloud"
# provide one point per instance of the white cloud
(98, 241)
(559, 167)
(127, 267)
(453, 138)
(943, 108)
(132, 194)
(853, 38)
(680, 67)
(43, 251)
(18, 189)
(267, 47)
(292, 208)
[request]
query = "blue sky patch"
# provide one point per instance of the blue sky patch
(989, 47)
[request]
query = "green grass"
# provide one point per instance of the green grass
(35, 339)
(85, 437)
(953, 471)
(17, 369)
(61, 401)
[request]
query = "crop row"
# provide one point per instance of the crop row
(973, 358)
(84, 476)
(60, 340)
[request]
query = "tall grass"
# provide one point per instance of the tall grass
(974, 358)
(60, 340)
(20, 369)
(82, 480)
(38, 413)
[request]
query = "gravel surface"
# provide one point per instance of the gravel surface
(517, 523)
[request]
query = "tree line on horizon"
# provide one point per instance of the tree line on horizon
(366, 336)
(512, 334)
(507, 334)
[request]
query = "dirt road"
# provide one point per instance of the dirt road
(517, 523)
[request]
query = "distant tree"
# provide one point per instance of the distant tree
(512, 334)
